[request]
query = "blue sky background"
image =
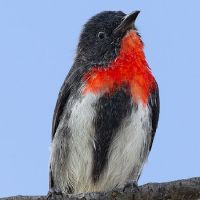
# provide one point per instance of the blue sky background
(37, 45)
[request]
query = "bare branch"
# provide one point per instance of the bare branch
(187, 189)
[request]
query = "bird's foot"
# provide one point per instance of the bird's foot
(53, 193)
(132, 185)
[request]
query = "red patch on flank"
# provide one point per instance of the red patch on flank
(129, 67)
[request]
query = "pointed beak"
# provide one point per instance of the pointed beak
(127, 22)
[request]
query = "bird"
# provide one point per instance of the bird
(107, 110)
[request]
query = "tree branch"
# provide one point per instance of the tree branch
(187, 189)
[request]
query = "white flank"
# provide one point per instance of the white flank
(81, 144)
(126, 153)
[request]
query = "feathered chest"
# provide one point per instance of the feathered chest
(130, 68)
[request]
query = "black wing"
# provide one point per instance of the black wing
(70, 85)
(154, 104)
(60, 104)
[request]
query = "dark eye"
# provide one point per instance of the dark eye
(101, 35)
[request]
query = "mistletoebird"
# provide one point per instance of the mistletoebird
(107, 110)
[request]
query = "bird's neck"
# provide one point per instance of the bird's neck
(130, 67)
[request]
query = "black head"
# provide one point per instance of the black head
(100, 39)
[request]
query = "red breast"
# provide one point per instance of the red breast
(129, 67)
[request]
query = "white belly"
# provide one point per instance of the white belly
(126, 155)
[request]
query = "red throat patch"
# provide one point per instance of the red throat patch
(129, 67)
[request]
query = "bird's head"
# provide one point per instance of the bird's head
(110, 56)
(104, 36)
